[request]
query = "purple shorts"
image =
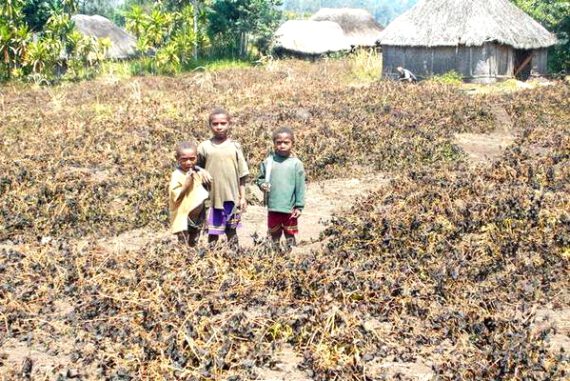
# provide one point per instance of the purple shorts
(221, 219)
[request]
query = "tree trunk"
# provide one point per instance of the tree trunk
(195, 11)
(242, 44)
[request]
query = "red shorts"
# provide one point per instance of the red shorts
(277, 221)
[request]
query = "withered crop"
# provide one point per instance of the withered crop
(93, 158)
(446, 265)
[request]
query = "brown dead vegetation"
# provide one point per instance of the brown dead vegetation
(449, 271)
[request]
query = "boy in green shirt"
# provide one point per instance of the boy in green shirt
(282, 178)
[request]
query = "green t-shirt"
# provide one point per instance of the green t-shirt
(287, 183)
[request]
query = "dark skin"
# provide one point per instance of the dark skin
(283, 144)
(220, 126)
(187, 159)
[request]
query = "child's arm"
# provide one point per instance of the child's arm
(243, 173)
(299, 190)
(181, 190)
(201, 163)
(261, 177)
(204, 175)
(242, 200)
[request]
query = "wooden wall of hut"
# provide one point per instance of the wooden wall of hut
(487, 63)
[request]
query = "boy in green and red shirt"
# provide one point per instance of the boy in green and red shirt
(282, 177)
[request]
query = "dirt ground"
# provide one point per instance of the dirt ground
(323, 198)
(484, 147)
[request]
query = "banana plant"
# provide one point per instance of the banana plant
(59, 26)
(13, 35)
(136, 21)
(11, 10)
(73, 41)
(168, 56)
(42, 54)
(159, 26)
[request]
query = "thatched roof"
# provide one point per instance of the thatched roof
(310, 37)
(469, 22)
(123, 45)
(358, 25)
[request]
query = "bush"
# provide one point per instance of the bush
(450, 78)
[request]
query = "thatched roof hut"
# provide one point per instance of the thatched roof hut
(309, 38)
(482, 40)
(358, 25)
(123, 45)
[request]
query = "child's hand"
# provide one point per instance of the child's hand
(206, 177)
(296, 213)
(242, 204)
(266, 187)
(189, 179)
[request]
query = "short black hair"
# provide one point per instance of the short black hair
(184, 146)
(218, 111)
(284, 130)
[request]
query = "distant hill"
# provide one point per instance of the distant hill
(383, 11)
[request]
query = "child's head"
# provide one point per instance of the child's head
(186, 155)
(283, 140)
(219, 122)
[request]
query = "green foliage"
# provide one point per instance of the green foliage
(37, 12)
(106, 8)
(235, 23)
(149, 65)
(554, 15)
(450, 78)
(57, 47)
(175, 37)
(14, 37)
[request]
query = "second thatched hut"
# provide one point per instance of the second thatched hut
(306, 38)
(481, 40)
(123, 45)
(359, 27)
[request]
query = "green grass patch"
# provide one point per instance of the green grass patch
(450, 78)
(220, 64)
(148, 66)
(366, 65)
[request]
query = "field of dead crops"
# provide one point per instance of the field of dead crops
(455, 270)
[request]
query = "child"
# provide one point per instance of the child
(223, 158)
(282, 177)
(187, 194)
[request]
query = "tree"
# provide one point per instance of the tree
(554, 15)
(55, 45)
(104, 8)
(235, 22)
(175, 36)
(14, 38)
(37, 12)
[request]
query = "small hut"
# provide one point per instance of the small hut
(358, 25)
(123, 45)
(481, 40)
(306, 38)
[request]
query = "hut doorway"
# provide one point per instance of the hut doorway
(523, 64)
